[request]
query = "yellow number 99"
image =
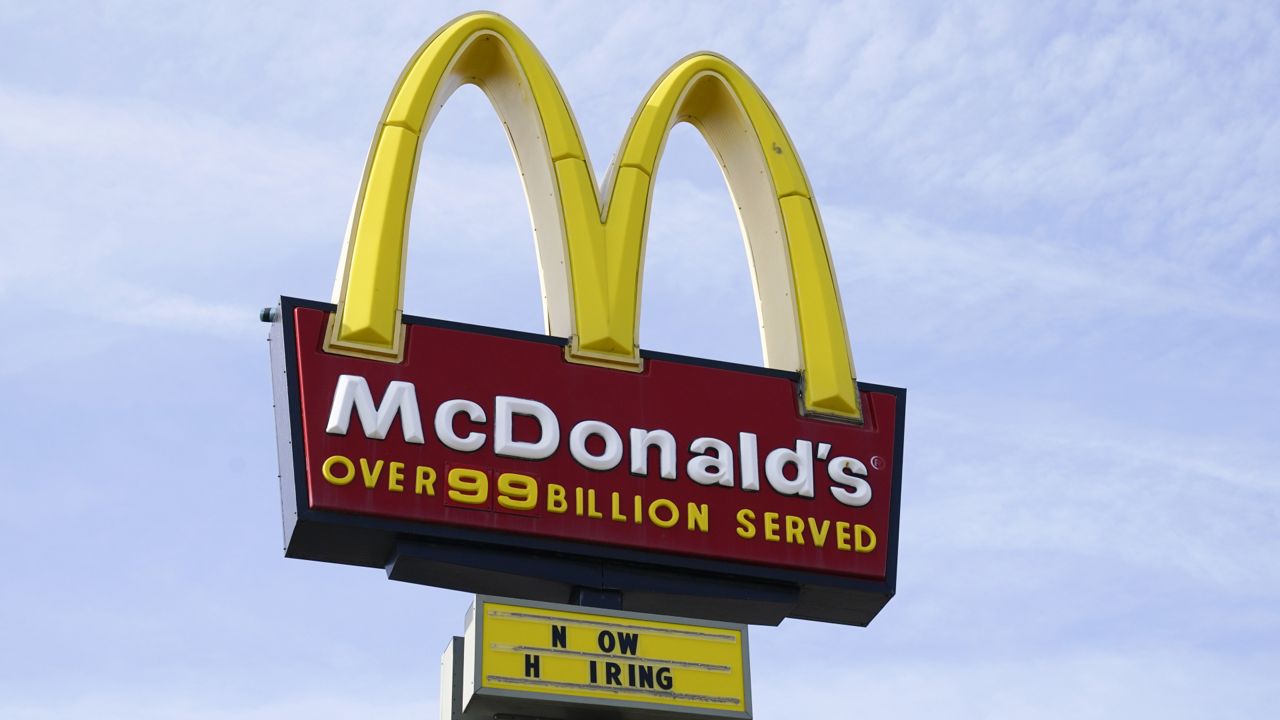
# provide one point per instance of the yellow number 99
(517, 492)
(470, 487)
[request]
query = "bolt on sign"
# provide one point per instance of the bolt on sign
(528, 465)
(550, 660)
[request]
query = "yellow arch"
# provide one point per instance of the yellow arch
(591, 253)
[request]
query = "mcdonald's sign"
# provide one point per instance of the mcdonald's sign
(535, 466)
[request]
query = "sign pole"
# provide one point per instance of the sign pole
(596, 598)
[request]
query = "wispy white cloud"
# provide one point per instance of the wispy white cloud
(1028, 279)
(131, 212)
(1115, 124)
(1056, 226)
(1130, 682)
(1098, 490)
(213, 706)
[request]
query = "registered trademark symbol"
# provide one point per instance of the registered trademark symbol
(877, 462)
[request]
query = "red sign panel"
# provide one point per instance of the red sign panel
(496, 432)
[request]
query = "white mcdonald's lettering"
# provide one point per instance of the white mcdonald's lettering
(505, 410)
(445, 414)
(787, 470)
(353, 392)
(608, 458)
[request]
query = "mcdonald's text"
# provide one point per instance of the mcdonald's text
(494, 432)
(787, 471)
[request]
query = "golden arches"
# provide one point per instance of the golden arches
(591, 253)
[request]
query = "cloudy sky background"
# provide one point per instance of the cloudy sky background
(1058, 227)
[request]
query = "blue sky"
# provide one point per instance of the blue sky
(1057, 226)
